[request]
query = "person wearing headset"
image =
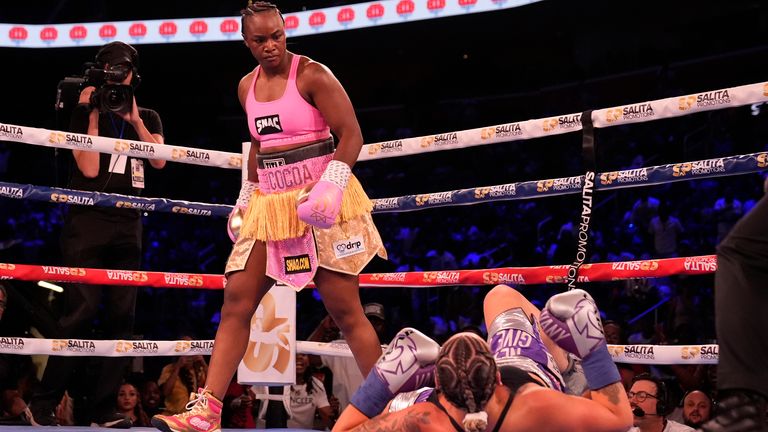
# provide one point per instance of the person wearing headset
(698, 407)
(100, 237)
(650, 406)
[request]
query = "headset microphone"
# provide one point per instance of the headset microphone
(639, 412)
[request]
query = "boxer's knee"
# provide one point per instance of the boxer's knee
(504, 297)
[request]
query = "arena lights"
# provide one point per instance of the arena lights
(50, 286)
(755, 109)
(221, 29)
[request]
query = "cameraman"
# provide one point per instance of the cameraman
(98, 237)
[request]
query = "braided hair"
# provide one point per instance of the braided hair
(255, 7)
(308, 376)
(466, 374)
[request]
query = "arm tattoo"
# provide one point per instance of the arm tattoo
(612, 392)
(410, 422)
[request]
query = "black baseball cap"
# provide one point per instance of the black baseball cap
(374, 310)
(117, 52)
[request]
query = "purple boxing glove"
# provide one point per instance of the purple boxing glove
(406, 365)
(572, 320)
(322, 205)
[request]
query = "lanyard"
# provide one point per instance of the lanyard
(114, 126)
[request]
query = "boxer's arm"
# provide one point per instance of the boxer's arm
(572, 321)
(350, 419)
(614, 399)
(406, 364)
(607, 411)
(247, 189)
(413, 418)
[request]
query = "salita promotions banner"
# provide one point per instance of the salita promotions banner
(270, 358)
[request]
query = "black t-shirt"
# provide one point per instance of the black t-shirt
(110, 125)
(12, 368)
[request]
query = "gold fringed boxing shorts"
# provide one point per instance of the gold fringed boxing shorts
(294, 249)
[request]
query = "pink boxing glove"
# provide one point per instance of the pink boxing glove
(235, 221)
(322, 205)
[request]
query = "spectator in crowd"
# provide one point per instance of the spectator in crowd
(375, 314)
(697, 408)
(3, 300)
(180, 378)
(685, 314)
(727, 211)
(440, 258)
(239, 406)
(614, 336)
(13, 370)
(650, 404)
(665, 229)
(346, 378)
(302, 400)
(151, 397)
(643, 210)
(129, 405)
(65, 414)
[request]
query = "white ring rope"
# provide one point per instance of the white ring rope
(634, 354)
(601, 118)
(632, 113)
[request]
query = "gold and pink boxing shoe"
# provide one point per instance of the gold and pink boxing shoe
(203, 415)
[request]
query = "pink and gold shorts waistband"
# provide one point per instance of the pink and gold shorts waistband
(293, 169)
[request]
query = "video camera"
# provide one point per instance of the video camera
(107, 97)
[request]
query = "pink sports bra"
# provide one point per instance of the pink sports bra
(287, 120)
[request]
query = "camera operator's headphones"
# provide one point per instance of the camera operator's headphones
(662, 397)
(115, 53)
